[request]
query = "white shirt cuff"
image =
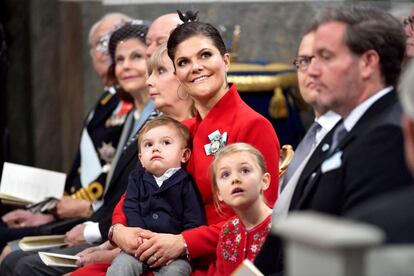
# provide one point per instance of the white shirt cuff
(91, 232)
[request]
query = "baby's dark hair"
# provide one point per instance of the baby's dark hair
(163, 120)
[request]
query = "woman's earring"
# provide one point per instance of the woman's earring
(178, 94)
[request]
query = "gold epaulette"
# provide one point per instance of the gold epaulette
(106, 99)
(90, 193)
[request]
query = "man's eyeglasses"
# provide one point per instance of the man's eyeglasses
(302, 62)
(102, 44)
(409, 21)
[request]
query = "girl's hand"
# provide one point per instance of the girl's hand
(160, 249)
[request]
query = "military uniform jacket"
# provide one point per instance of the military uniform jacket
(102, 132)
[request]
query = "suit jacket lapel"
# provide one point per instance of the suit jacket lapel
(311, 173)
(373, 114)
(126, 130)
(132, 150)
(314, 162)
(129, 153)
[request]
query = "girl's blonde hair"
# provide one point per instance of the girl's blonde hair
(228, 150)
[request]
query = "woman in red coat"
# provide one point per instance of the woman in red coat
(201, 62)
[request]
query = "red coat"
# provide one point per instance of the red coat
(236, 243)
(242, 124)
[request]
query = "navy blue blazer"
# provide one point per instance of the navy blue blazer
(171, 208)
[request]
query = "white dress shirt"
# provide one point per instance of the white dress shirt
(353, 117)
(327, 121)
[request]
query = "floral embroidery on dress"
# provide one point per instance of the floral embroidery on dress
(231, 240)
(258, 240)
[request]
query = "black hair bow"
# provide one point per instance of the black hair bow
(188, 16)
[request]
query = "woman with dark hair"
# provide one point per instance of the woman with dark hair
(201, 62)
(128, 68)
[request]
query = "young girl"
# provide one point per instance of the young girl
(239, 178)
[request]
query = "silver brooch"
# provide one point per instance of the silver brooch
(218, 141)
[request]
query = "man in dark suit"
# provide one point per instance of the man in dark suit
(324, 121)
(358, 54)
(391, 212)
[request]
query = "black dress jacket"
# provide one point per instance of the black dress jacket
(368, 162)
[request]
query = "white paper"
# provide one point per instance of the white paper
(53, 259)
(41, 242)
(247, 268)
(31, 184)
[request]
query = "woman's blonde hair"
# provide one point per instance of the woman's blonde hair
(155, 60)
(228, 150)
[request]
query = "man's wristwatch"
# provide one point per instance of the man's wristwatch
(111, 234)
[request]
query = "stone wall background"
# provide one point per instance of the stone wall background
(51, 84)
